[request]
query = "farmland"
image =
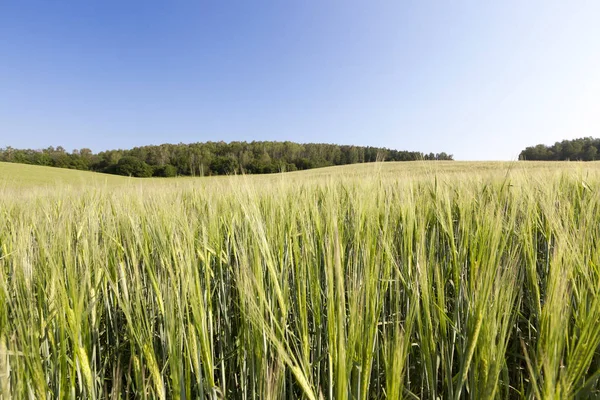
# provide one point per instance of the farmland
(386, 280)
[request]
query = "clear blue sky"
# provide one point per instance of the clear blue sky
(478, 79)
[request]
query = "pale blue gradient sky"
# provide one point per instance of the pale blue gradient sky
(481, 80)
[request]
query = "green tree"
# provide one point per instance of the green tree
(223, 165)
(131, 166)
(166, 171)
(590, 153)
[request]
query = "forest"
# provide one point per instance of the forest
(211, 158)
(582, 149)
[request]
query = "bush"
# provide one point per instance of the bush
(166, 171)
(223, 165)
(132, 166)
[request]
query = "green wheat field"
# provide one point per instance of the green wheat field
(434, 280)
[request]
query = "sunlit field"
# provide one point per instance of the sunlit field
(447, 280)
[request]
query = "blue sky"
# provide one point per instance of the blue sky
(480, 80)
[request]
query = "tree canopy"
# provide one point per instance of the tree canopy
(212, 158)
(583, 149)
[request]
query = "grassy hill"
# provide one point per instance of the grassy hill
(23, 175)
(27, 176)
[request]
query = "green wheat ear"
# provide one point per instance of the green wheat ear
(409, 280)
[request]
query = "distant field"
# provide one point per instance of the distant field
(23, 175)
(392, 280)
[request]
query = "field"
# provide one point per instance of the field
(390, 280)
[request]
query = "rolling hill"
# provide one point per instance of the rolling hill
(23, 175)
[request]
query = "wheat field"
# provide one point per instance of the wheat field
(444, 280)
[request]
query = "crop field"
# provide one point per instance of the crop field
(435, 280)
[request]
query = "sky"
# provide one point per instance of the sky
(477, 79)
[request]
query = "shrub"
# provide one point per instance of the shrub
(165, 171)
(131, 166)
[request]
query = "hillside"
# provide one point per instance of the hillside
(23, 175)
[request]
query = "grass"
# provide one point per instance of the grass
(27, 176)
(401, 280)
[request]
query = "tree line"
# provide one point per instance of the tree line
(211, 158)
(582, 149)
